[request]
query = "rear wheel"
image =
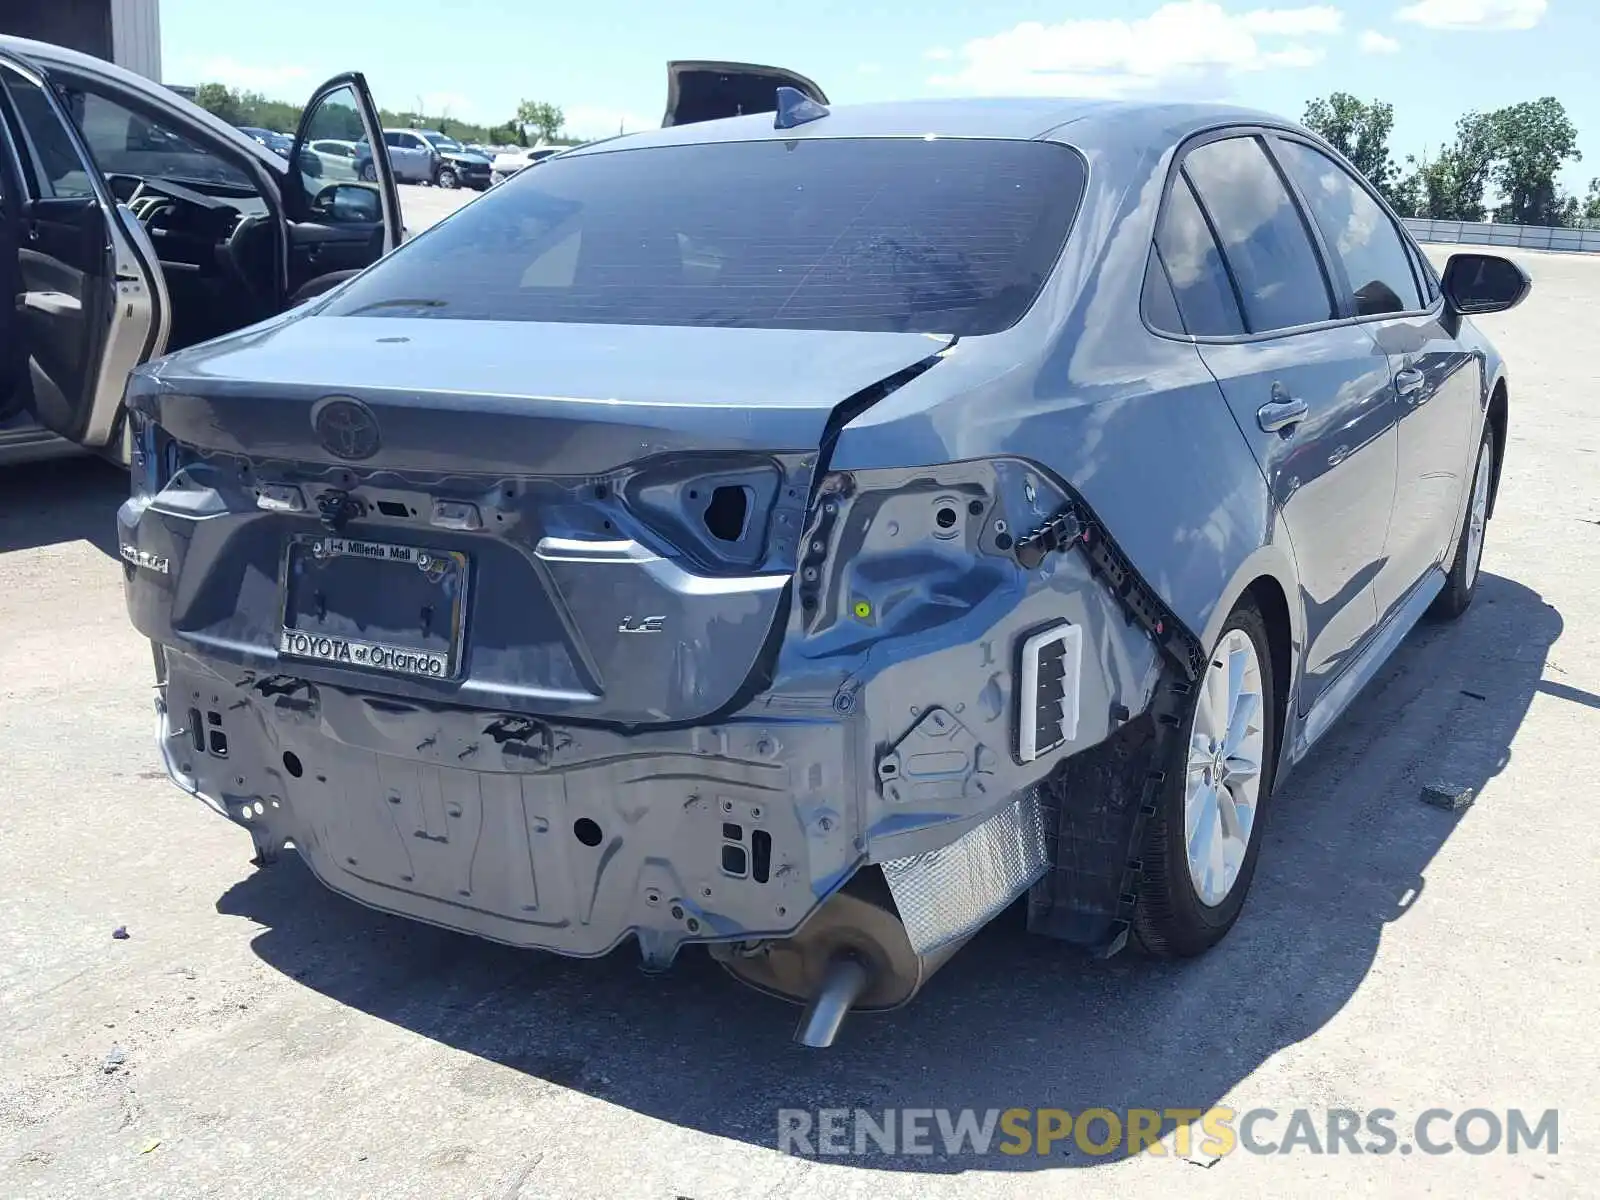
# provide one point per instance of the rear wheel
(1201, 844)
(1462, 582)
(369, 172)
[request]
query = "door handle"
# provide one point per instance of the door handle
(1281, 413)
(1409, 381)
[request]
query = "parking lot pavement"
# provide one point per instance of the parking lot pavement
(422, 206)
(255, 1035)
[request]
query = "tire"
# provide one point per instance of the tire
(1178, 914)
(1461, 585)
(369, 173)
(446, 178)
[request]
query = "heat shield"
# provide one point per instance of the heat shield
(948, 894)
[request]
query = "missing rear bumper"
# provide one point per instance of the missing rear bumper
(560, 839)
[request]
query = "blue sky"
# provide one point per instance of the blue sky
(603, 60)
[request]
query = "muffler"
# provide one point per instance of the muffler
(854, 953)
(875, 942)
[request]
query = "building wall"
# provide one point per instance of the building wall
(128, 32)
(136, 36)
(81, 24)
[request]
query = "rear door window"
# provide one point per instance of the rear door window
(946, 235)
(1354, 227)
(1205, 297)
(1263, 236)
(44, 144)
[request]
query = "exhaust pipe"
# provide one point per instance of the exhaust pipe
(844, 980)
(853, 954)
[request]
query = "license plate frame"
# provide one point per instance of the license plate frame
(384, 656)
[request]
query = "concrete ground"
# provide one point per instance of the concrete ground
(423, 206)
(255, 1035)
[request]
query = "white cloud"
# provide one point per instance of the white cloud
(1186, 45)
(939, 54)
(278, 82)
(1294, 56)
(1373, 42)
(1474, 14)
(1293, 22)
(596, 121)
(447, 104)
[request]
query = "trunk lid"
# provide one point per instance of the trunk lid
(520, 398)
(607, 517)
(705, 90)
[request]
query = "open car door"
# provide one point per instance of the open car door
(338, 227)
(700, 90)
(83, 302)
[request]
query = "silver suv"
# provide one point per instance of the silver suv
(428, 156)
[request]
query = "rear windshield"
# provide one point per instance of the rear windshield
(926, 236)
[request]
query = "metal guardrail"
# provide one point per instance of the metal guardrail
(1484, 233)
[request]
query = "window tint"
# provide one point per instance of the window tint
(391, 139)
(1199, 279)
(1430, 281)
(1160, 303)
(1356, 228)
(45, 145)
(125, 142)
(1274, 263)
(953, 235)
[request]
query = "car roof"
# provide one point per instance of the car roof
(48, 55)
(1040, 117)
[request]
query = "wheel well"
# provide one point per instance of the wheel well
(1267, 595)
(1498, 416)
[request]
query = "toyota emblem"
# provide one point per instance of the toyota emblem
(346, 428)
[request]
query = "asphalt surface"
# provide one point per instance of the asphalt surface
(425, 205)
(255, 1035)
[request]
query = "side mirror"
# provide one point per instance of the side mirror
(1484, 283)
(349, 203)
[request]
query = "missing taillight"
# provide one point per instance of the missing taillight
(728, 513)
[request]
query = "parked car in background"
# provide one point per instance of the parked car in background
(337, 158)
(458, 166)
(427, 156)
(808, 535)
(278, 143)
(133, 222)
(507, 164)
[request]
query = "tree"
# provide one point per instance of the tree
(1591, 203)
(222, 101)
(546, 118)
(1361, 133)
(1533, 140)
(1450, 187)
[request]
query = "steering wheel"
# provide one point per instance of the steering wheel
(119, 182)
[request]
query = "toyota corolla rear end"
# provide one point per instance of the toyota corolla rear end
(513, 588)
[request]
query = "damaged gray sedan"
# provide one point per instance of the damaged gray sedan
(808, 534)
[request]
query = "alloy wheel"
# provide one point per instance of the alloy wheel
(1222, 789)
